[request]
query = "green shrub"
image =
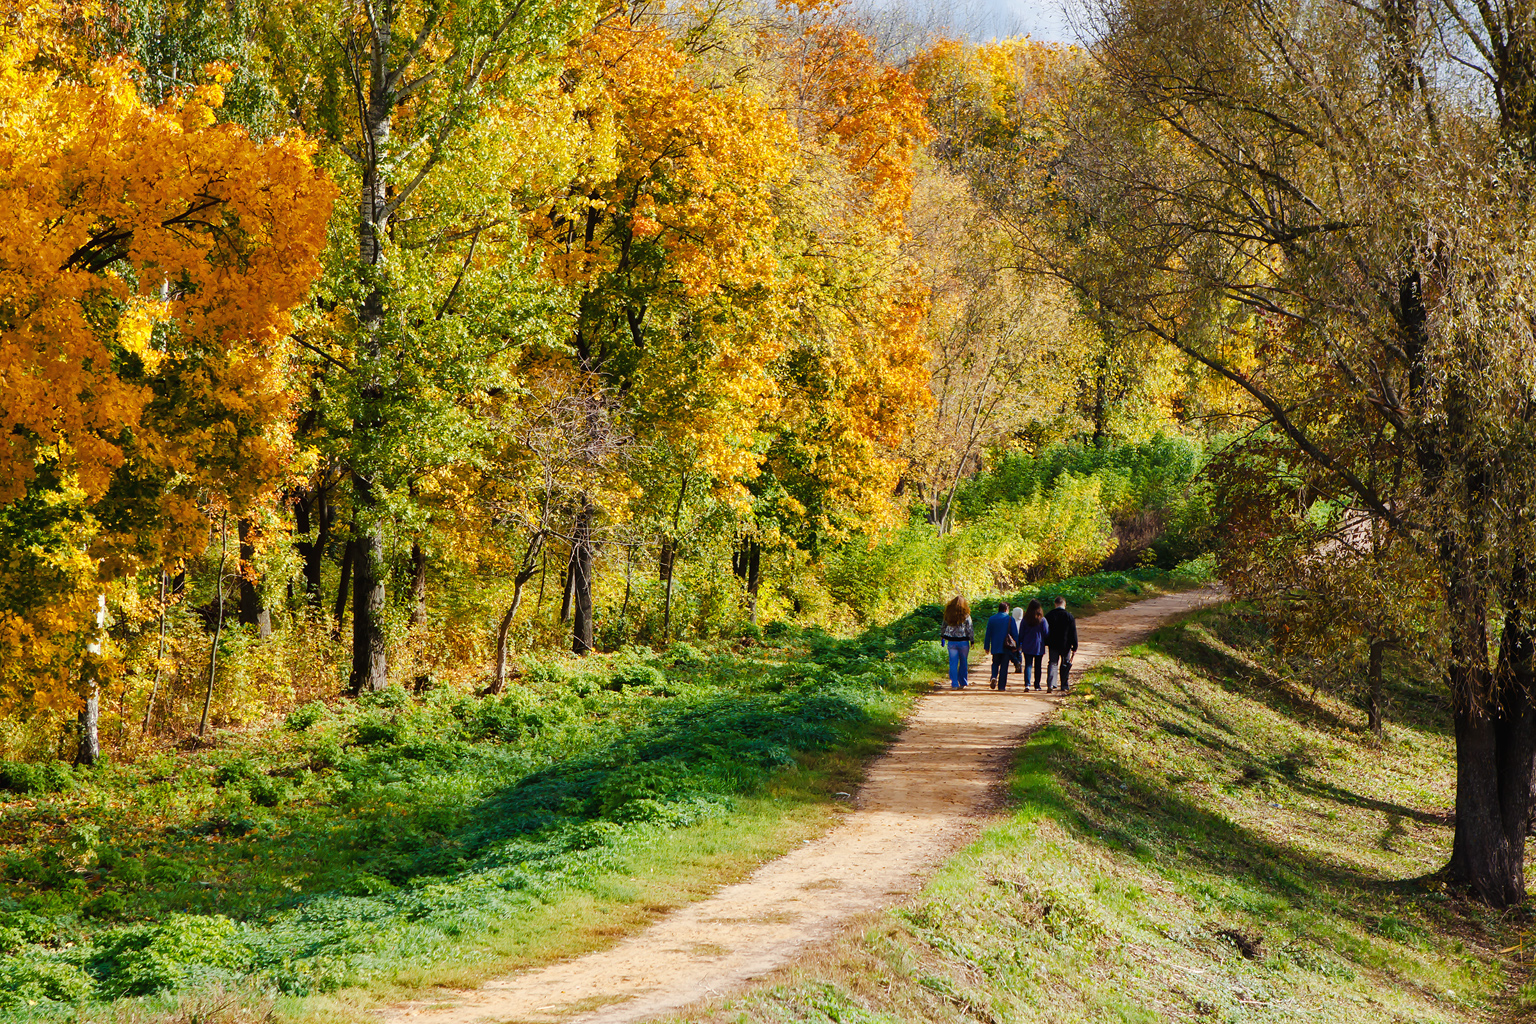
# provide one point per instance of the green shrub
(637, 675)
(43, 777)
(266, 791)
(42, 978)
(373, 729)
(237, 769)
(158, 958)
(778, 629)
(392, 698)
(304, 716)
(685, 655)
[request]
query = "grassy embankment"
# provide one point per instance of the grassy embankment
(1196, 837)
(358, 852)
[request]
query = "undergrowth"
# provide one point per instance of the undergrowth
(1199, 836)
(356, 842)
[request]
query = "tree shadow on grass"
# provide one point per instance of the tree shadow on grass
(1071, 775)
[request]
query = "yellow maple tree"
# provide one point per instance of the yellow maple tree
(149, 258)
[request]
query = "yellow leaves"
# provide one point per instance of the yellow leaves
(221, 235)
(136, 328)
(150, 261)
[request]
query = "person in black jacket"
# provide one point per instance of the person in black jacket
(1061, 642)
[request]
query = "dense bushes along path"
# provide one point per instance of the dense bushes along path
(918, 803)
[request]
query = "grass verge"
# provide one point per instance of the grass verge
(1195, 838)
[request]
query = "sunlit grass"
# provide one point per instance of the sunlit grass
(1195, 838)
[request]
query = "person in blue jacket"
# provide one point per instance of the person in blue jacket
(1032, 633)
(1000, 640)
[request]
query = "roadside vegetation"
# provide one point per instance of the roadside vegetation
(357, 850)
(1206, 832)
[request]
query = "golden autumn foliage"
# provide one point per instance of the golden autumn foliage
(665, 235)
(853, 374)
(148, 262)
(142, 246)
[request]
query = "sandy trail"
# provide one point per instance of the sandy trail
(918, 803)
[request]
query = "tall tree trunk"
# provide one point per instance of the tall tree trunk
(418, 585)
(532, 559)
(669, 550)
(666, 615)
(370, 665)
(89, 751)
(313, 551)
(370, 661)
(253, 611)
(154, 689)
(629, 567)
(569, 579)
(502, 631)
(1494, 723)
(538, 604)
(581, 577)
(218, 622)
(343, 583)
(754, 577)
(664, 559)
(1373, 707)
(745, 562)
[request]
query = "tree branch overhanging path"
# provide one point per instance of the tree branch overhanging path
(919, 803)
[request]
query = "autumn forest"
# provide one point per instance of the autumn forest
(442, 440)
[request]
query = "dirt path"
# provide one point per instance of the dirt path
(918, 803)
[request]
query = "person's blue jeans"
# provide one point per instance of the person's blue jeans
(1031, 661)
(959, 663)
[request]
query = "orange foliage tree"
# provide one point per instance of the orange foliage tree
(853, 372)
(150, 260)
(665, 238)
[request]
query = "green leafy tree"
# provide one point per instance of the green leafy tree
(425, 294)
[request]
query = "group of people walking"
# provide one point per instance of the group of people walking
(1021, 637)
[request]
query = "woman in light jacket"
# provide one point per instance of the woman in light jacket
(958, 634)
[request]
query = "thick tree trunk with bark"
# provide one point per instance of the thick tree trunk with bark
(370, 663)
(89, 751)
(1495, 729)
(566, 581)
(319, 518)
(90, 729)
(532, 560)
(746, 562)
(218, 624)
(664, 559)
(418, 585)
(581, 577)
(253, 611)
(343, 584)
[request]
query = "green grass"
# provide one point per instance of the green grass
(1195, 838)
(358, 852)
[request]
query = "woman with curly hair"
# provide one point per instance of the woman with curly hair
(958, 634)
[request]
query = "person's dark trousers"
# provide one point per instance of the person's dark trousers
(1061, 666)
(1032, 661)
(1000, 668)
(1018, 660)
